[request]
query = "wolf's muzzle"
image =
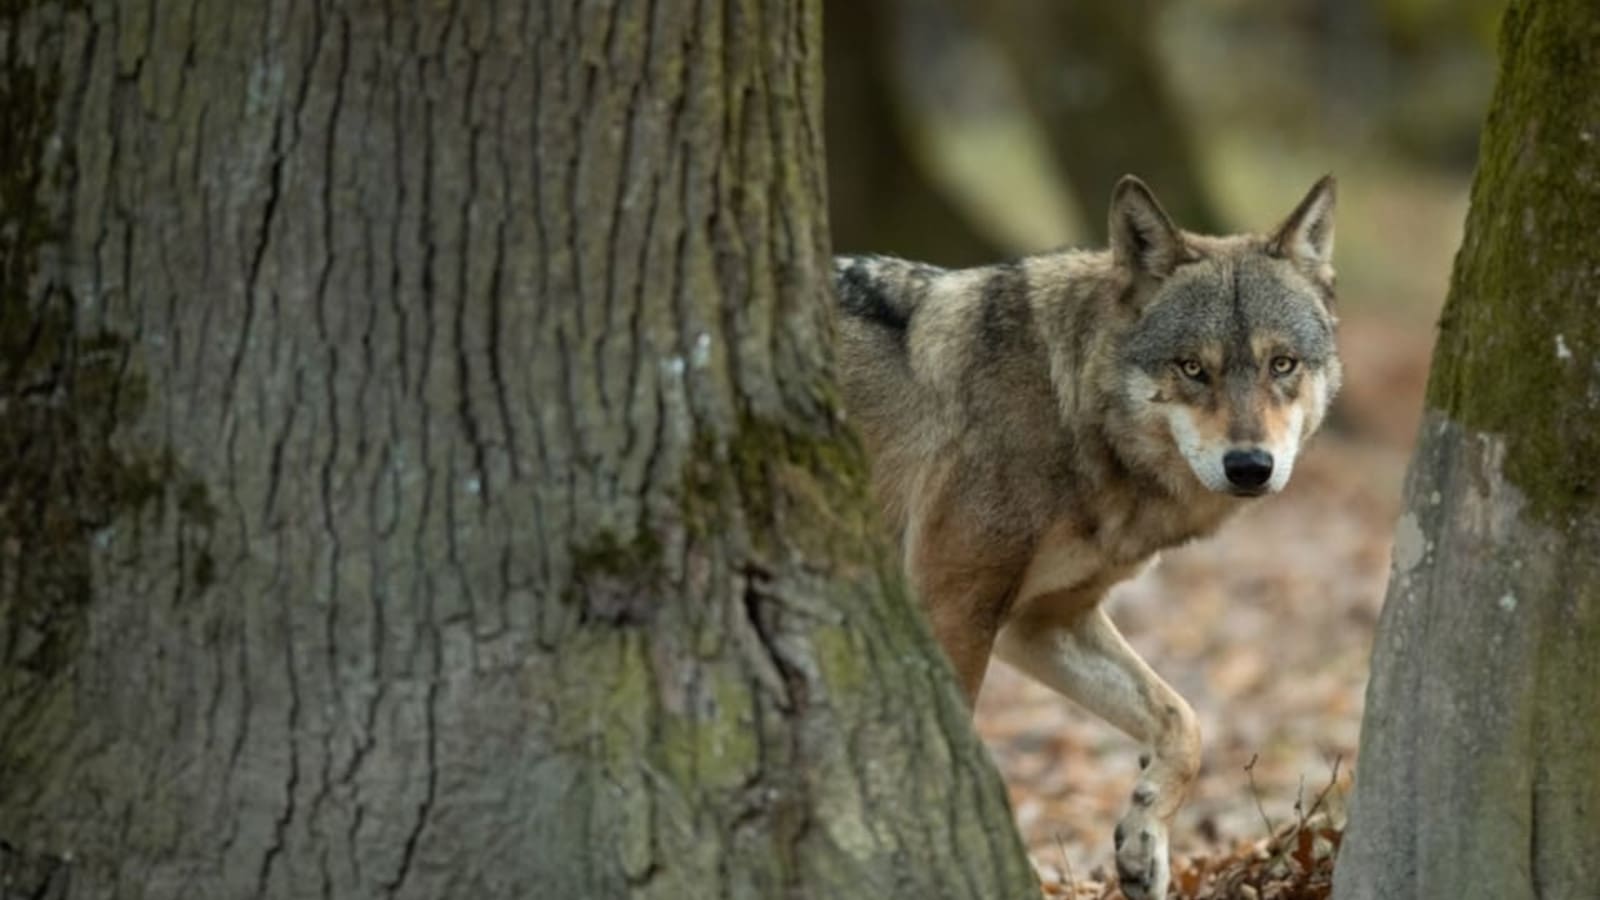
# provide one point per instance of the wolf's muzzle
(1248, 470)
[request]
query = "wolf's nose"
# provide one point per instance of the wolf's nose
(1247, 468)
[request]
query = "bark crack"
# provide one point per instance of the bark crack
(425, 808)
(280, 827)
(258, 256)
(471, 428)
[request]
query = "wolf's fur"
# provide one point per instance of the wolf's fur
(1036, 439)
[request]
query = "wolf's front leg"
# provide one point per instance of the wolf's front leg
(1084, 657)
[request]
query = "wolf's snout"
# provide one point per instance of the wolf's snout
(1248, 469)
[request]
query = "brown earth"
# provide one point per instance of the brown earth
(1265, 628)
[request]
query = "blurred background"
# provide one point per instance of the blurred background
(966, 131)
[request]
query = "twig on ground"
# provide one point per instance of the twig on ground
(1065, 869)
(1255, 794)
(1333, 782)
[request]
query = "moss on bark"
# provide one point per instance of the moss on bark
(1519, 343)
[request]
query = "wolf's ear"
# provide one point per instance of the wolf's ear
(1143, 238)
(1307, 235)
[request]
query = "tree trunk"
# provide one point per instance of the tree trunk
(421, 476)
(1090, 73)
(1480, 750)
(881, 198)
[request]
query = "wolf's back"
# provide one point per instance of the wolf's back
(882, 290)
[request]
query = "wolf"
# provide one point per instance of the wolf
(1040, 429)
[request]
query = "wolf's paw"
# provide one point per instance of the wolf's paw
(1142, 866)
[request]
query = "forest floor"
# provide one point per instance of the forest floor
(1266, 630)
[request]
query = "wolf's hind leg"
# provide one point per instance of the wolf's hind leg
(1086, 658)
(963, 579)
(964, 610)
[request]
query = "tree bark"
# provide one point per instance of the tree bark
(1090, 73)
(1478, 770)
(421, 474)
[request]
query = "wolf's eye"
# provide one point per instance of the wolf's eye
(1191, 368)
(1283, 365)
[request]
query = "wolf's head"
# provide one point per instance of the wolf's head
(1229, 358)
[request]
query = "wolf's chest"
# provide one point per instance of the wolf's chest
(1087, 549)
(1150, 526)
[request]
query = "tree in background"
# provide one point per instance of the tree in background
(1480, 749)
(881, 196)
(421, 474)
(1089, 75)
(1093, 80)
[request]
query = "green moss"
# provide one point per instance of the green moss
(841, 660)
(714, 744)
(806, 490)
(1516, 348)
(629, 701)
(789, 487)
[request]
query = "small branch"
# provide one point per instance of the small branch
(1250, 770)
(1322, 796)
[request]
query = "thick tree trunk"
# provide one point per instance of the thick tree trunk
(1090, 73)
(421, 475)
(1480, 750)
